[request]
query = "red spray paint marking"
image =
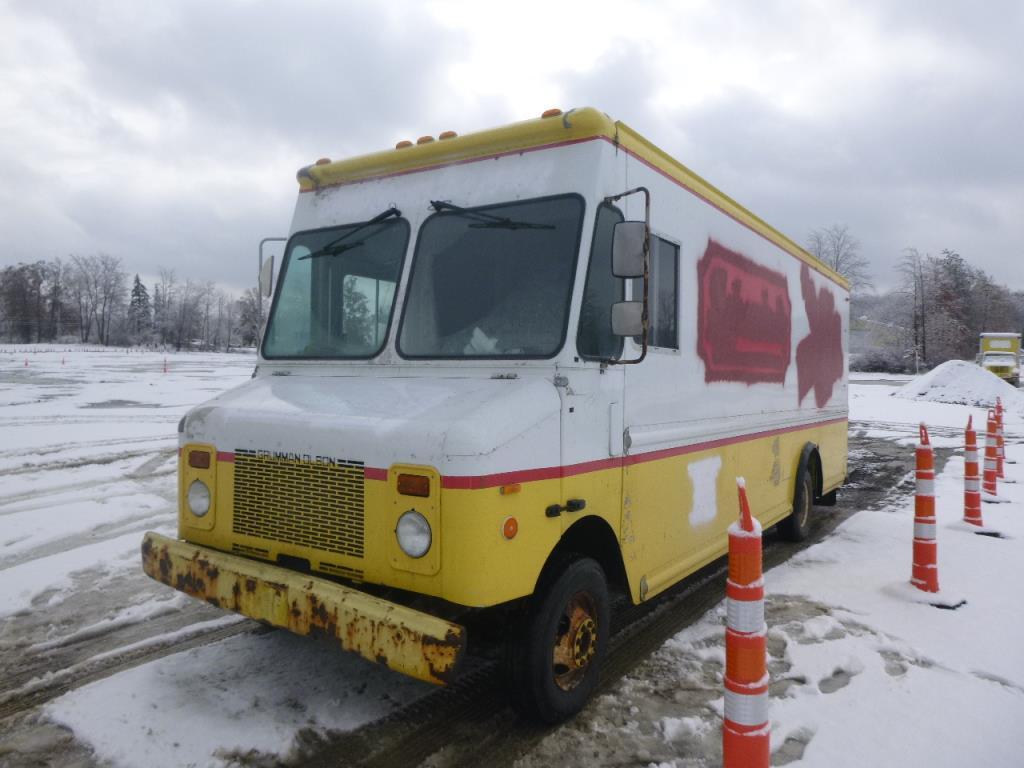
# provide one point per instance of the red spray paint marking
(744, 318)
(819, 356)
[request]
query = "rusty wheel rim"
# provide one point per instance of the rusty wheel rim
(575, 641)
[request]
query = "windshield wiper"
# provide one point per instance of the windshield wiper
(486, 220)
(335, 247)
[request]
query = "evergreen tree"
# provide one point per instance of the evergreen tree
(139, 311)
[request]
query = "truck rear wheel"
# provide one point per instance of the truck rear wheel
(555, 650)
(798, 524)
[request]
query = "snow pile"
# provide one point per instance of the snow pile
(962, 383)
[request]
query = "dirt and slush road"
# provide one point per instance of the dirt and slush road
(469, 723)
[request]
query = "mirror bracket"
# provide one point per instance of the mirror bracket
(644, 315)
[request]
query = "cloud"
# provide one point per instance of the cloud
(174, 131)
(169, 133)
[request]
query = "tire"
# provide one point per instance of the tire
(554, 653)
(797, 526)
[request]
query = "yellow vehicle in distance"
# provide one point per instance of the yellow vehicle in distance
(502, 375)
(1000, 354)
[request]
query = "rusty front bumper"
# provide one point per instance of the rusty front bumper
(408, 641)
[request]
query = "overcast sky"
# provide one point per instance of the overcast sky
(169, 133)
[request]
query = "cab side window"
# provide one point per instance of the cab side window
(663, 296)
(595, 338)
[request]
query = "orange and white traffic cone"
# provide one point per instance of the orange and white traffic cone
(1000, 442)
(1000, 423)
(746, 730)
(972, 481)
(988, 484)
(925, 572)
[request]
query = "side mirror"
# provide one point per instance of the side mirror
(628, 239)
(267, 277)
(628, 318)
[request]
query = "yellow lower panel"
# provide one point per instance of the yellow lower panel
(407, 641)
(676, 510)
(660, 510)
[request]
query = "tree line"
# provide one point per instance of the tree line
(935, 313)
(90, 299)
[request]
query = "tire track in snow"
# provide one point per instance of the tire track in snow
(47, 684)
(49, 448)
(138, 525)
(144, 471)
(143, 479)
(64, 464)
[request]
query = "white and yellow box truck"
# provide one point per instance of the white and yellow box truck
(503, 374)
(1000, 354)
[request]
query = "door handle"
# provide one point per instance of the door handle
(572, 505)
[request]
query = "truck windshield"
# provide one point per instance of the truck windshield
(1000, 358)
(337, 290)
(493, 282)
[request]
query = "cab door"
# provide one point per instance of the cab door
(591, 392)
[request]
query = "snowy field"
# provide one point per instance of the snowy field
(100, 665)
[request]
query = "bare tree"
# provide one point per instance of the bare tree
(249, 317)
(914, 287)
(165, 297)
(188, 312)
(840, 250)
(111, 288)
(84, 292)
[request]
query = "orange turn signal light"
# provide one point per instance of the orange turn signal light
(424, 139)
(414, 485)
(510, 528)
(554, 112)
(324, 161)
(403, 144)
(505, 490)
(199, 459)
(447, 135)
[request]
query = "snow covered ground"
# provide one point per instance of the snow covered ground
(863, 672)
(88, 443)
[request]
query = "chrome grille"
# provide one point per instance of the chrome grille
(310, 504)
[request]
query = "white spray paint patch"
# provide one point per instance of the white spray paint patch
(704, 476)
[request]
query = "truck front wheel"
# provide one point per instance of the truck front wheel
(555, 649)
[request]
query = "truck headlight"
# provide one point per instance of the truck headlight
(413, 534)
(198, 498)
